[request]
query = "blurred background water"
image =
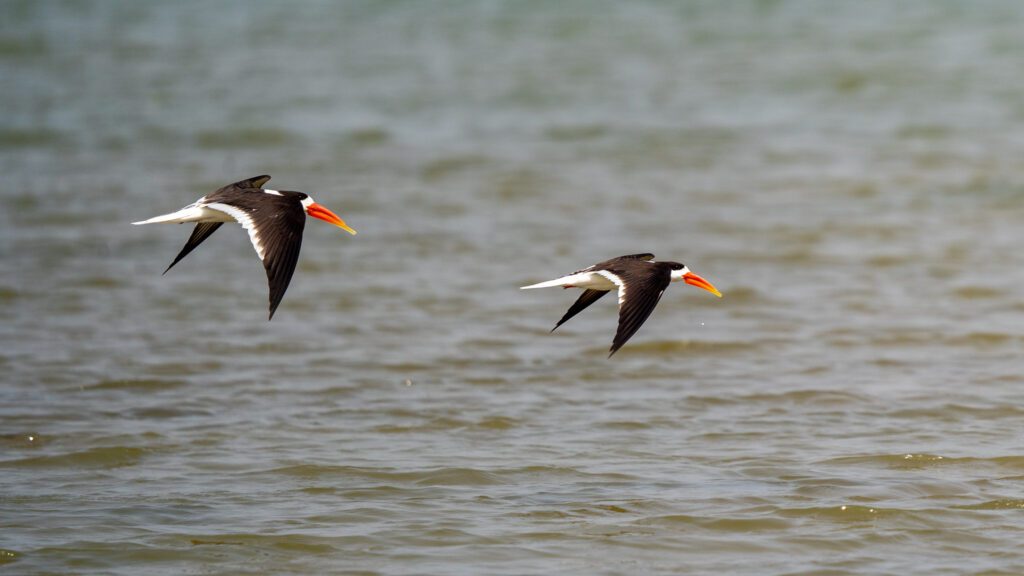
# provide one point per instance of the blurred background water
(849, 174)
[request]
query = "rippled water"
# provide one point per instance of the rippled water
(848, 174)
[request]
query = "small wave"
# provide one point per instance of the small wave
(898, 337)
(136, 384)
(719, 523)
(15, 138)
(815, 397)
(744, 295)
(801, 397)
(627, 424)
(845, 512)
(435, 477)
(448, 166)
(164, 412)
(978, 292)
(432, 425)
(487, 381)
(565, 472)
(287, 542)
(101, 282)
(1003, 504)
(915, 461)
(889, 260)
(576, 132)
(703, 347)
(7, 556)
(106, 457)
(369, 136)
(324, 471)
(952, 411)
(497, 423)
(984, 339)
(458, 477)
(23, 440)
(244, 138)
(8, 294)
(891, 460)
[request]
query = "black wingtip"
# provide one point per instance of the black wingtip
(273, 308)
(616, 346)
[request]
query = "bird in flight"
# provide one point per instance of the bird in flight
(274, 219)
(640, 282)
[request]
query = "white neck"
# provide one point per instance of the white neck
(678, 274)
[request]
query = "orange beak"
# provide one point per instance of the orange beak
(694, 280)
(320, 211)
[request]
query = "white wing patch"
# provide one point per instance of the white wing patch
(245, 220)
(614, 279)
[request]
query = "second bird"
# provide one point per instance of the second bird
(275, 220)
(640, 282)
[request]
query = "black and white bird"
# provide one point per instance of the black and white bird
(640, 282)
(274, 219)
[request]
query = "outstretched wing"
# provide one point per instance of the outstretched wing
(275, 225)
(640, 289)
(586, 299)
(201, 232)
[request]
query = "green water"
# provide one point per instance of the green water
(848, 174)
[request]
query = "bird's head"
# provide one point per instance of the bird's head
(681, 272)
(323, 213)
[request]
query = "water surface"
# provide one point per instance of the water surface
(848, 174)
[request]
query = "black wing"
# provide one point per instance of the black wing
(275, 225)
(281, 243)
(644, 256)
(611, 263)
(201, 232)
(586, 299)
(640, 289)
(256, 182)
